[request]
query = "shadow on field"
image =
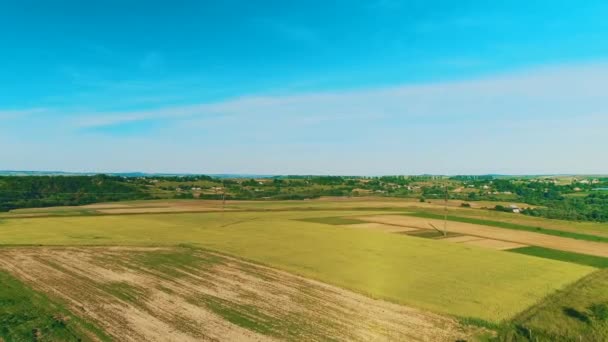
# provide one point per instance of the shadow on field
(573, 313)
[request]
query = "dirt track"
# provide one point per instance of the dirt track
(522, 237)
(159, 295)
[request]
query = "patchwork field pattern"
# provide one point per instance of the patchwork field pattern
(446, 278)
(520, 237)
(184, 294)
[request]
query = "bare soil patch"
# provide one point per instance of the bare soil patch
(521, 237)
(182, 294)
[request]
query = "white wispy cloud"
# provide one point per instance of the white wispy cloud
(544, 93)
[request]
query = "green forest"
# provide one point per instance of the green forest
(44, 191)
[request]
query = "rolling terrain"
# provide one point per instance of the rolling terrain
(322, 269)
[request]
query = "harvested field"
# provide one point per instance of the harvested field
(522, 237)
(182, 294)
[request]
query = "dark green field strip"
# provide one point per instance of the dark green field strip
(577, 258)
(514, 226)
(335, 220)
(26, 315)
(429, 234)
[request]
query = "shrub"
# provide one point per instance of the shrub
(599, 311)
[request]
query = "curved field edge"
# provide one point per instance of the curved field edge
(463, 281)
(27, 315)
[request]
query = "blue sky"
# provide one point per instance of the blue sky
(304, 87)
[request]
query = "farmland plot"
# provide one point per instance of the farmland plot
(181, 294)
(445, 278)
(520, 237)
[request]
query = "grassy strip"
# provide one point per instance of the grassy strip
(507, 225)
(26, 315)
(125, 291)
(289, 327)
(246, 316)
(173, 263)
(577, 258)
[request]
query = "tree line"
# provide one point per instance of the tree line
(44, 191)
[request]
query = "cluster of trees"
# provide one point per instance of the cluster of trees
(593, 207)
(43, 191)
(556, 200)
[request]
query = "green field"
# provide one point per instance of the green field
(445, 278)
(582, 259)
(576, 313)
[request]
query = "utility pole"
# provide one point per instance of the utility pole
(445, 212)
(223, 195)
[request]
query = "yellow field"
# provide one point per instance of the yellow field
(329, 203)
(455, 279)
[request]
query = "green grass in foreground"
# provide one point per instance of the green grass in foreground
(577, 258)
(246, 316)
(26, 315)
(508, 225)
(576, 313)
(447, 278)
(176, 264)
